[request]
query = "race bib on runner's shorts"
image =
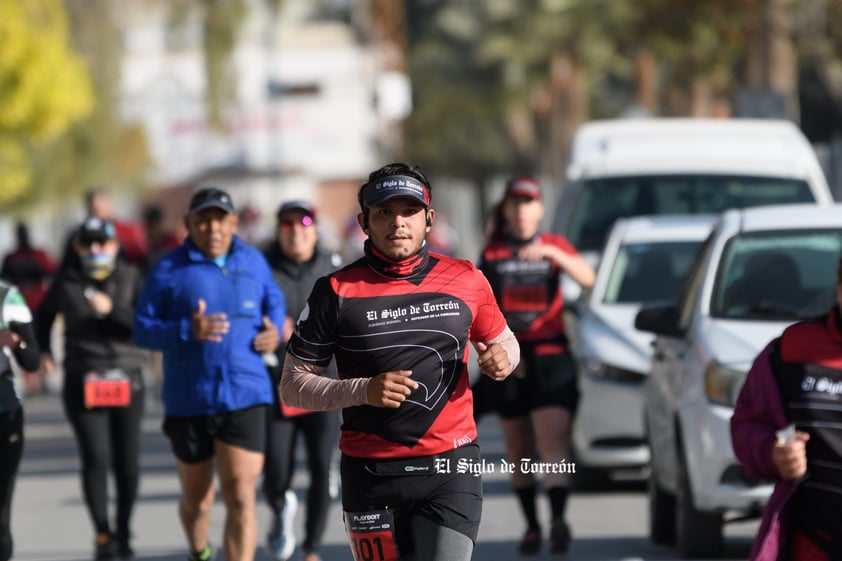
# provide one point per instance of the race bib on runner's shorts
(372, 535)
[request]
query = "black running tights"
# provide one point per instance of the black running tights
(106, 437)
(321, 435)
(11, 450)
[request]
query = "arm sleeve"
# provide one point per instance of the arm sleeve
(151, 329)
(303, 386)
(511, 345)
(18, 317)
(26, 353)
(274, 301)
(757, 417)
(45, 315)
(123, 307)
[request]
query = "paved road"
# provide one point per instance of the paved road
(50, 522)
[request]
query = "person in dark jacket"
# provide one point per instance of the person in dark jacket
(297, 262)
(787, 427)
(17, 338)
(212, 306)
(103, 388)
(29, 268)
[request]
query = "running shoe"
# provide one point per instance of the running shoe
(124, 549)
(530, 544)
(559, 537)
(104, 547)
(281, 539)
(204, 555)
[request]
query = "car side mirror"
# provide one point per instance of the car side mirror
(660, 320)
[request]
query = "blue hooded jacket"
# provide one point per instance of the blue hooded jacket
(202, 377)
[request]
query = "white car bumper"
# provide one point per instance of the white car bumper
(608, 430)
(714, 470)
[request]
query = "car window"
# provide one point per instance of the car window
(649, 272)
(603, 201)
(785, 275)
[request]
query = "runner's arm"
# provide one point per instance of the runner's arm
(303, 386)
(506, 339)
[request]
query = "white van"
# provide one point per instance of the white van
(634, 167)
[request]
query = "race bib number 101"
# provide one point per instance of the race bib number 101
(372, 535)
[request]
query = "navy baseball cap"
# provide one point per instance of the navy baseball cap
(211, 197)
(378, 192)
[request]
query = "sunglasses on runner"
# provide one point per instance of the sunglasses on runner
(289, 223)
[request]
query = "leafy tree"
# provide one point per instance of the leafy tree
(454, 127)
(44, 89)
(548, 65)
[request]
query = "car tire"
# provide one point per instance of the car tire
(661, 513)
(698, 533)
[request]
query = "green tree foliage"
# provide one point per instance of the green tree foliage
(101, 150)
(222, 20)
(545, 66)
(44, 88)
(454, 126)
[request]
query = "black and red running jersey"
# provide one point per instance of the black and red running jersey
(528, 292)
(374, 323)
(808, 366)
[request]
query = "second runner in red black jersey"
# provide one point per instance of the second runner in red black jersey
(417, 319)
(529, 292)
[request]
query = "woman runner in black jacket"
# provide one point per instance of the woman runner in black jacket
(103, 389)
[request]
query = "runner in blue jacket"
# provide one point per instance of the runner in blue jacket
(212, 306)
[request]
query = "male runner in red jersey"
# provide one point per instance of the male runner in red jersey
(398, 321)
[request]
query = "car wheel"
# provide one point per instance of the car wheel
(698, 533)
(661, 513)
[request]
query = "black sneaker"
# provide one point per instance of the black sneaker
(204, 555)
(559, 537)
(104, 548)
(530, 543)
(124, 549)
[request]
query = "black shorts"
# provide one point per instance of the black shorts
(191, 438)
(549, 381)
(430, 486)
